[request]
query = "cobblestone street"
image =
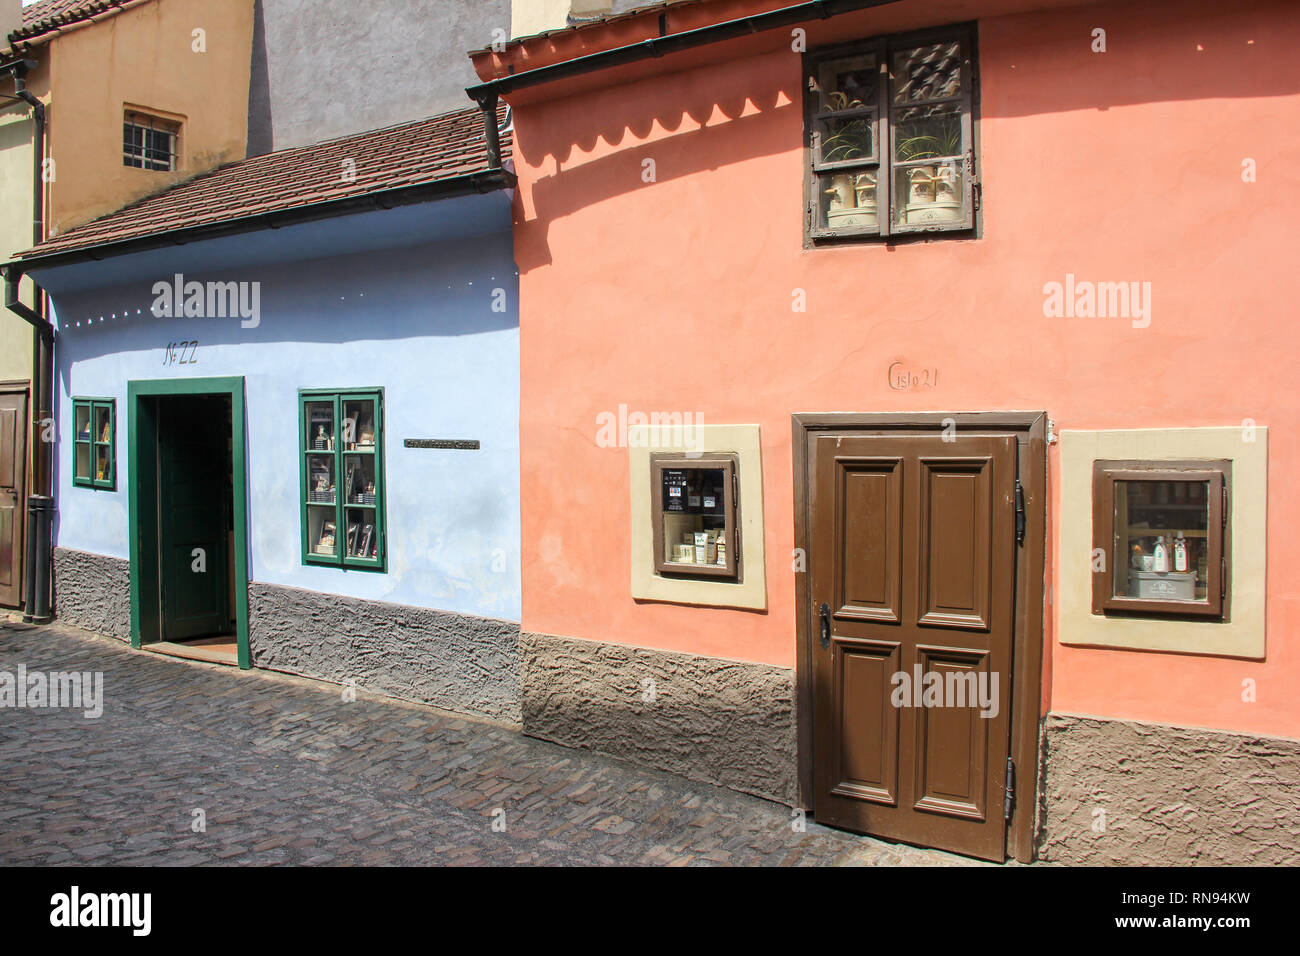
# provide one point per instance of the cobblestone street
(285, 771)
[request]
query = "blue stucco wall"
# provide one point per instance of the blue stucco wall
(416, 320)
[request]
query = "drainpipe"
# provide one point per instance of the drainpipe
(487, 102)
(40, 500)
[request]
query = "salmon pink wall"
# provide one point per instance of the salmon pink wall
(676, 295)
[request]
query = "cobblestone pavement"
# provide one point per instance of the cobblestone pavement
(286, 771)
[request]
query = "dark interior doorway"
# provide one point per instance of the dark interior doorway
(190, 503)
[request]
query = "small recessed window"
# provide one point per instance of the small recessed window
(890, 137)
(695, 516)
(94, 447)
(150, 142)
(1160, 533)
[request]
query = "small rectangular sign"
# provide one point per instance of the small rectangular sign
(466, 444)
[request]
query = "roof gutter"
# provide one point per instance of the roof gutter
(485, 181)
(672, 43)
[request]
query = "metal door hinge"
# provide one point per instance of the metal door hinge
(1010, 798)
(1020, 513)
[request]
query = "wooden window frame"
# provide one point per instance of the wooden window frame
(674, 461)
(1218, 473)
(882, 162)
(342, 560)
(94, 442)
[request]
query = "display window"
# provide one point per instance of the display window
(1160, 533)
(695, 515)
(342, 478)
(94, 458)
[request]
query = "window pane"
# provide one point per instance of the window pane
(848, 200)
(103, 423)
(927, 72)
(103, 463)
(929, 194)
(359, 423)
(848, 84)
(362, 538)
(847, 139)
(1161, 540)
(694, 516)
(82, 468)
(320, 479)
(359, 479)
(320, 426)
(322, 530)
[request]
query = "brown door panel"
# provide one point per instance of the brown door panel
(866, 762)
(912, 550)
(13, 494)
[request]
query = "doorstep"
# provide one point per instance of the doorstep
(213, 650)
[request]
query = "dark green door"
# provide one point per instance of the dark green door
(193, 509)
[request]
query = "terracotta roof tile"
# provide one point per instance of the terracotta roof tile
(48, 15)
(411, 154)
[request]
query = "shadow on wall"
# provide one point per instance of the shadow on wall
(443, 289)
(259, 89)
(1031, 64)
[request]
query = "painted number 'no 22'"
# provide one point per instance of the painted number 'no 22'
(180, 353)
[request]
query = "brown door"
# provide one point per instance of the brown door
(913, 556)
(13, 494)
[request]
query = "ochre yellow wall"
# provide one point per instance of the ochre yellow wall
(143, 57)
(16, 128)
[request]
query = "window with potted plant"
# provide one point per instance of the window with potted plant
(891, 137)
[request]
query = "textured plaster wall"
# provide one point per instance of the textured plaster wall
(457, 662)
(1167, 795)
(721, 721)
(93, 591)
(326, 68)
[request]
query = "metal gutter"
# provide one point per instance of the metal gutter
(672, 43)
(484, 181)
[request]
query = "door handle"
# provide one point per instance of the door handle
(825, 614)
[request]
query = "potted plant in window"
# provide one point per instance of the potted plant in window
(853, 195)
(933, 191)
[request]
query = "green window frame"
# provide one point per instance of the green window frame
(341, 484)
(94, 446)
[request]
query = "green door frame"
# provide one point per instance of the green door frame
(141, 435)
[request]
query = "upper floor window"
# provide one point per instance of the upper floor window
(149, 142)
(890, 137)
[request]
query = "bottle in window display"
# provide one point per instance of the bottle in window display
(1161, 556)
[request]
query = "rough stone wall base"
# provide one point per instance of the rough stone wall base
(1170, 795)
(719, 721)
(456, 662)
(93, 591)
